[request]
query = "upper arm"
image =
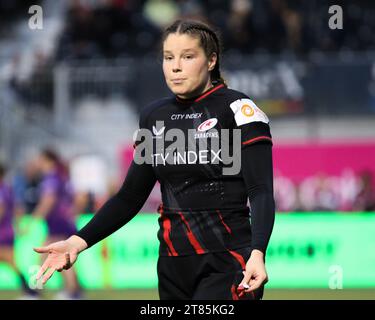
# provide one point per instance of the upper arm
(140, 180)
(251, 120)
(256, 146)
(257, 166)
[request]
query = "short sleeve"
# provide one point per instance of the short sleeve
(49, 186)
(252, 121)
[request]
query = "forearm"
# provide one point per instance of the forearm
(262, 220)
(114, 214)
(257, 171)
(44, 207)
(39, 213)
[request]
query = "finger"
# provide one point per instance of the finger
(255, 284)
(67, 263)
(48, 275)
(42, 269)
(61, 267)
(243, 286)
(241, 290)
(42, 249)
(246, 279)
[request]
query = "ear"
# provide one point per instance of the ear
(212, 61)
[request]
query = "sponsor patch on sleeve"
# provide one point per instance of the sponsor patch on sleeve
(246, 111)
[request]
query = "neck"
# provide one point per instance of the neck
(199, 91)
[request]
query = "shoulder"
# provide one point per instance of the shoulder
(148, 110)
(232, 95)
(244, 109)
(49, 181)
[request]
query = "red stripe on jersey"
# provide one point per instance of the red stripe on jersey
(167, 226)
(239, 258)
(202, 96)
(209, 92)
(234, 293)
(256, 139)
(222, 221)
(167, 230)
(193, 240)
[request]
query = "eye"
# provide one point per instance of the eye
(168, 58)
(188, 56)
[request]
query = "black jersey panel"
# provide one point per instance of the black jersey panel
(203, 208)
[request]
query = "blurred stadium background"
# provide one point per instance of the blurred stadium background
(79, 83)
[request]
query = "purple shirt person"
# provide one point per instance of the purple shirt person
(59, 218)
(56, 207)
(6, 216)
(7, 253)
(55, 197)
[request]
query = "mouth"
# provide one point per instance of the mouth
(178, 80)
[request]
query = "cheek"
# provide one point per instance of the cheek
(165, 70)
(201, 73)
(197, 70)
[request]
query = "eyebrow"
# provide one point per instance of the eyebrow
(183, 51)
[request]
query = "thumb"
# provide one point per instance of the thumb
(42, 249)
(246, 279)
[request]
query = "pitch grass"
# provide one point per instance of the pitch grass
(270, 294)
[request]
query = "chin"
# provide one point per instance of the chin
(178, 90)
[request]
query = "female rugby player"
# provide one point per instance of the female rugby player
(209, 247)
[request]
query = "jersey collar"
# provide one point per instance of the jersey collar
(201, 96)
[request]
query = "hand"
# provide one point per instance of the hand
(61, 256)
(255, 274)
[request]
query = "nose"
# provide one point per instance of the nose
(176, 65)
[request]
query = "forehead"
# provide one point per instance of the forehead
(178, 42)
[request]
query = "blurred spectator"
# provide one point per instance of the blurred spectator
(275, 34)
(321, 192)
(325, 193)
(192, 9)
(26, 188)
(161, 12)
(348, 185)
(7, 235)
(285, 193)
(365, 199)
(240, 32)
(56, 207)
(114, 28)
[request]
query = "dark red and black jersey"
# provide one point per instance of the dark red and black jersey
(203, 210)
(203, 207)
